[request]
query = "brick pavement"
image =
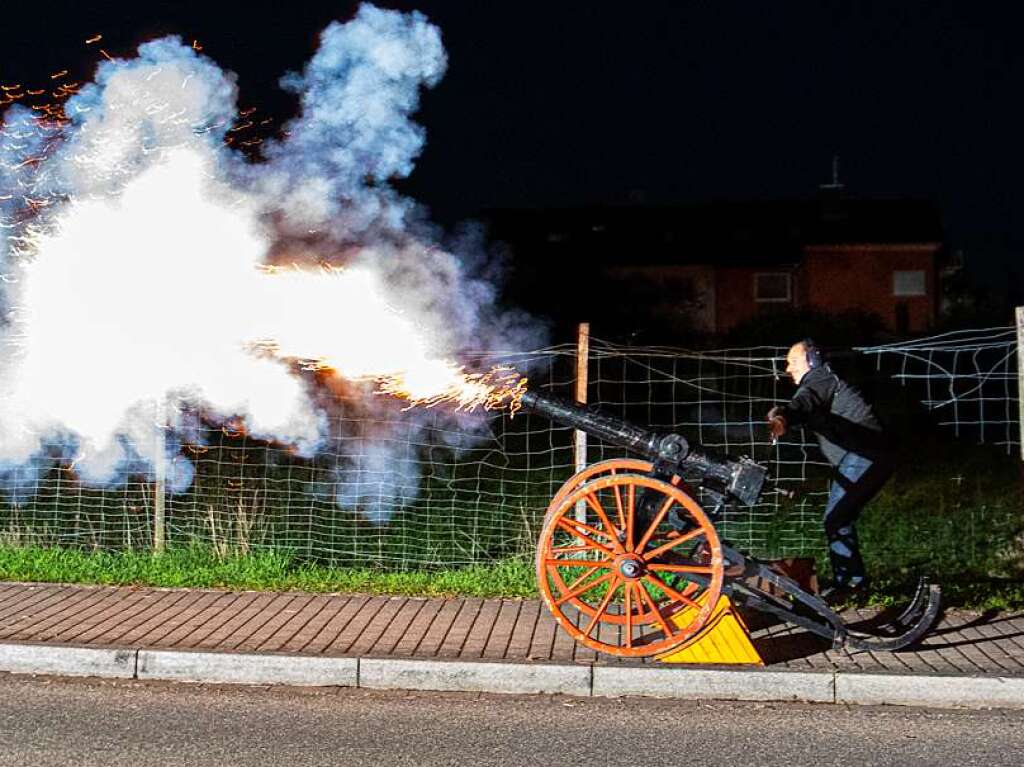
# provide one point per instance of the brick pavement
(345, 625)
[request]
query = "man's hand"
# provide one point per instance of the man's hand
(776, 423)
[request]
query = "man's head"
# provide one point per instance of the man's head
(797, 363)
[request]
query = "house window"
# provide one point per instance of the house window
(908, 283)
(772, 287)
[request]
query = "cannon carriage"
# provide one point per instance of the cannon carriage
(631, 564)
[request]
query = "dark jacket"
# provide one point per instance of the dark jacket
(837, 413)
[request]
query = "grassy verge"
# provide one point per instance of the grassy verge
(200, 567)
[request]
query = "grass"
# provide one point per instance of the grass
(202, 567)
(982, 595)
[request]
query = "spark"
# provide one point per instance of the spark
(496, 389)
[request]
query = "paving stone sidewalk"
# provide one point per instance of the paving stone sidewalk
(457, 629)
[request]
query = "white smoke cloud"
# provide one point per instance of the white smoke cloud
(379, 475)
(356, 97)
(135, 111)
(131, 300)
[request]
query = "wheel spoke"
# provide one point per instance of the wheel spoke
(627, 587)
(578, 563)
(630, 506)
(679, 597)
(570, 549)
(696, 569)
(574, 526)
(653, 553)
(590, 542)
(579, 580)
(575, 592)
(601, 608)
(618, 506)
(654, 525)
(599, 510)
(646, 597)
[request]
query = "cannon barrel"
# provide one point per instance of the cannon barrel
(741, 478)
(668, 447)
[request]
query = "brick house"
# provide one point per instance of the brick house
(708, 267)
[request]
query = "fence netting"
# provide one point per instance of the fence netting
(968, 379)
(403, 489)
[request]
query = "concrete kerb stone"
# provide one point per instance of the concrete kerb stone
(932, 691)
(68, 661)
(714, 684)
(474, 676)
(860, 688)
(248, 668)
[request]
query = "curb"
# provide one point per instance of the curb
(715, 684)
(693, 683)
(68, 661)
(931, 690)
(520, 678)
(247, 668)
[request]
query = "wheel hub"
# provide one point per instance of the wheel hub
(630, 567)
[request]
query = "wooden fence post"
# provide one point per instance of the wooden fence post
(582, 369)
(1020, 380)
(160, 475)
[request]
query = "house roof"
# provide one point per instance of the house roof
(722, 233)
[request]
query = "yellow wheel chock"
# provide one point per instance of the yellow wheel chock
(723, 639)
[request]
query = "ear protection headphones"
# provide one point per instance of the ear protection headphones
(813, 353)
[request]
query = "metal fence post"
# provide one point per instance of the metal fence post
(582, 369)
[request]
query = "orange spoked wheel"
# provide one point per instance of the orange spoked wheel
(640, 574)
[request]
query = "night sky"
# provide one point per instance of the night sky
(552, 104)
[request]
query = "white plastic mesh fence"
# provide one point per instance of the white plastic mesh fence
(968, 378)
(447, 495)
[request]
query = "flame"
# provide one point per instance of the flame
(389, 349)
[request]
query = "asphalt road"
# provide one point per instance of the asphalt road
(87, 722)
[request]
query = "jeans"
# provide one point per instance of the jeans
(857, 481)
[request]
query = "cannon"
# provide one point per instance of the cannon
(630, 563)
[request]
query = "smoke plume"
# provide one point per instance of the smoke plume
(155, 279)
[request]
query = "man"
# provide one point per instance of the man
(854, 443)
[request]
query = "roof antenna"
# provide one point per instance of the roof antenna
(835, 175)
